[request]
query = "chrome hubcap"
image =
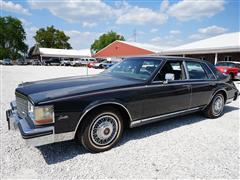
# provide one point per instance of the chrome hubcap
(218, 105)
(104, 130)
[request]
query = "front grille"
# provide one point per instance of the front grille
(22, 106)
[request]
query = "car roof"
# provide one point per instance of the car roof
(167, 57)
(236, 62)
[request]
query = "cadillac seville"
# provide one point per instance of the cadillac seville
(95, 110)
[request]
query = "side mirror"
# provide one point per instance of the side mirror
(169, 77)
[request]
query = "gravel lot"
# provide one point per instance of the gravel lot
(186, 147)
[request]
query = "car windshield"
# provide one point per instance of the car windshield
(137, 68)
(236, 65)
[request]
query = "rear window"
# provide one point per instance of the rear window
(208, 71)
(215, 71)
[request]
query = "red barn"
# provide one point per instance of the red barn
(125, 49)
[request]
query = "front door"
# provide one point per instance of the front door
(166, 96)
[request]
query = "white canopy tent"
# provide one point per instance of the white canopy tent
(61, 53)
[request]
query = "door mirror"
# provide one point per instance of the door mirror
(169, 77)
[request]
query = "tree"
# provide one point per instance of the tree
(105, 40)
(52, 38)
(12, 38)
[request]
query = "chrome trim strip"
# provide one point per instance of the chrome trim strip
(211, 70)
(50, 139)
(64, 136)
(104, 103)
(139, 122)
(40, 141)
(130, 88)
(186, 70)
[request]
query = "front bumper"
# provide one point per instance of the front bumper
(35, 136)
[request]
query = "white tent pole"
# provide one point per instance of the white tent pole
(41, 59)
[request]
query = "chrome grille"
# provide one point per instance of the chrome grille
(22, 106)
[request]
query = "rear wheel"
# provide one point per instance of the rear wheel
(101, 130)
(215, 108)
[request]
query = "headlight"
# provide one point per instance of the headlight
(41, 115)
(225, 70)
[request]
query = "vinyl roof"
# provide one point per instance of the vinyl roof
(229, 42)
(51, 52)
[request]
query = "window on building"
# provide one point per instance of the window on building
(227, 58)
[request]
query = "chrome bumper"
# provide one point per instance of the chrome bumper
(35, 136)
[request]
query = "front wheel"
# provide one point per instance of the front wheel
(215, 108)
(102, 130)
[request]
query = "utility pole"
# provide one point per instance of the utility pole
(135, 35)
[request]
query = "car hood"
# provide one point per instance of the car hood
(222, 68)
(46, 90)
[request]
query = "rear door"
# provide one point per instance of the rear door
(202, 81)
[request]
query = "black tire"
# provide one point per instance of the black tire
(215, 109)
(93, 137)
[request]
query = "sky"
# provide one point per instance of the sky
(162, 23)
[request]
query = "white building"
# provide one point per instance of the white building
(225, 47)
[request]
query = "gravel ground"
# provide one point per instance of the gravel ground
(185, 147)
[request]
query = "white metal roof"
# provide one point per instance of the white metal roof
(51, 52)
(229, 42)
(145, 46)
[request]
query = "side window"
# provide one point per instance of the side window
(208, 71)
(173, 67)
(148, 67)
(195, 70)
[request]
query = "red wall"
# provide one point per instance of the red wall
(119, 49)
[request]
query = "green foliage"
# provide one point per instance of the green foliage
(105, 40)
(12, 38)
(52, 38)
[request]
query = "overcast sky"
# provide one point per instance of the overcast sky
(163, 23)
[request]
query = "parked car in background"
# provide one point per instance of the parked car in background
(52, 62)
(231, 68)
(91, 64)
(101, 65)
(65, 62)
(96, 110)
(108, 65)
(21, 61)
(75, 62)
(86, 61)
(7, 62)
(104, 64)
(35, 62)
(1, 61)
